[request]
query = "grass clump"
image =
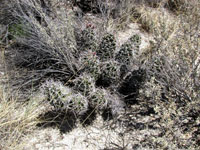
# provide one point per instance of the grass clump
(40, 54)
(15, 122)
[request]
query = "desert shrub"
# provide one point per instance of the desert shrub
(167, 93)
(44, 52)
(172, 74)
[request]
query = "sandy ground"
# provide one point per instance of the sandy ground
(94, 137)
(97, 136)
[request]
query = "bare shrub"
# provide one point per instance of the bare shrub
(172, 86)
(45, 49)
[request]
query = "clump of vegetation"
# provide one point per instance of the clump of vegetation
(159, 89)
(107, 47)
(56, 94)
(109, 74)
(99, 99)
(62, 98)
(17, 30)
(91, 63)
(125, 54)
(40, 54)
(16, 119)
(88, 39)
(128, 49)
(84, 84)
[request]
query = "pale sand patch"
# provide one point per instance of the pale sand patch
(133, 28)
(93, 137)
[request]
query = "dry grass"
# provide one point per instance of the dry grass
(43, 46)
(16, 121)
(174, 55)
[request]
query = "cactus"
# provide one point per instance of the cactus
(56, 93)
(98, 99)
(91, 63)
(84, 84)
(107, 48)
(125, 54)
(77, 103)
(109, 74)
(62, 98)
(109, 70)
(88, 39)
(136, 41)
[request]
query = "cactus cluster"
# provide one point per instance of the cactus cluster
(62, 98)
(107, 48)
(100, 69)
(77, 103)
(125, 54)
(56, 93)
